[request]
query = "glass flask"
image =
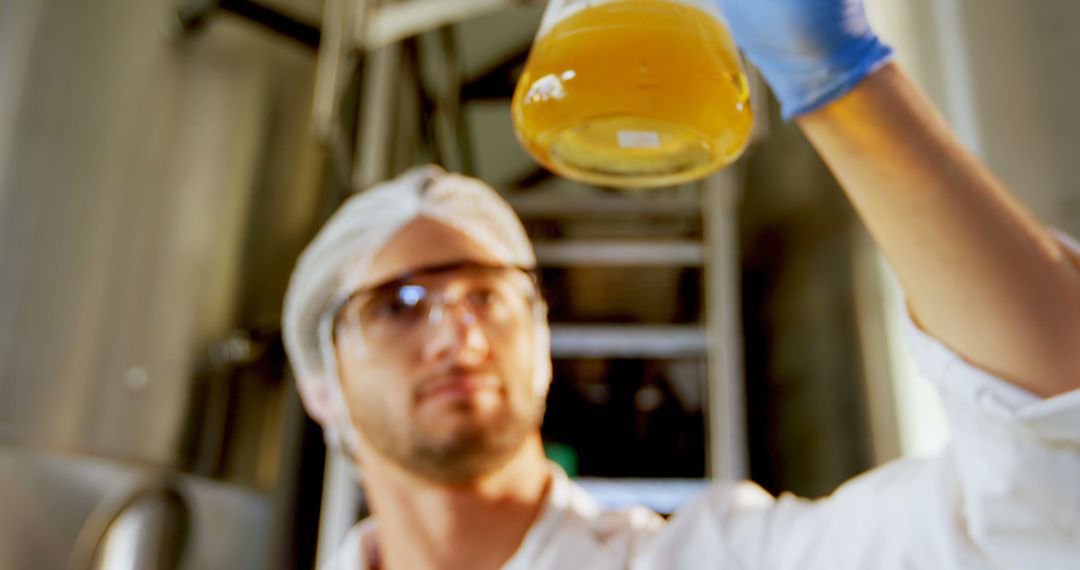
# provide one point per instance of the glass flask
(633, 93)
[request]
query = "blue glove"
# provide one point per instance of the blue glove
(811, 52)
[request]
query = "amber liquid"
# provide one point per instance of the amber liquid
(634, 93)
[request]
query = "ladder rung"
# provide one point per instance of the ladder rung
(627, 341)
(555, 205)
(679, 253)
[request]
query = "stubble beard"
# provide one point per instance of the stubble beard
(474, 450)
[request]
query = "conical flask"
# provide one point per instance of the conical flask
(633, 93)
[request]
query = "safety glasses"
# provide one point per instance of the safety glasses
(408, 309)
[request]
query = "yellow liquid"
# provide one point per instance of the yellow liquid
(634, 93)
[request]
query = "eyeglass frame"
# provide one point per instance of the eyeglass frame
(338, 308)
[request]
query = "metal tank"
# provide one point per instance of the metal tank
(154, 190)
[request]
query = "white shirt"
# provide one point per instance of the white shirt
(1003, 495)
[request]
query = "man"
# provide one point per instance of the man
(421, 345)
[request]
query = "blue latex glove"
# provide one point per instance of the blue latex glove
(810, 51)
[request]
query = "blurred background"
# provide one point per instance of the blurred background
(163, 162)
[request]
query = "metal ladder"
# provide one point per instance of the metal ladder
(369, 32)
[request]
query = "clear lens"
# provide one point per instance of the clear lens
(402, 311)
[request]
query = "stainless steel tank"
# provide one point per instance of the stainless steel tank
(154, 190)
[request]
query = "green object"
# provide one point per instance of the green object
(564, 455)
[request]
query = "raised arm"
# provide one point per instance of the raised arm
(980, 273)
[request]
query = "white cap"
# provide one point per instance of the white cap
(358, 231)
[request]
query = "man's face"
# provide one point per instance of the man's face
(438, 369)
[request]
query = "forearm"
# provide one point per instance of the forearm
(980, 273)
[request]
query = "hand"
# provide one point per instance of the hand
(810, 51)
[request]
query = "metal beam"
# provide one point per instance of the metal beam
(378, 116)
(726, 408)
(334, 69)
